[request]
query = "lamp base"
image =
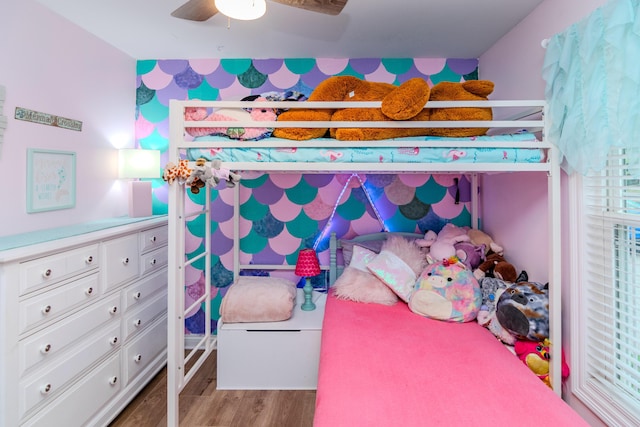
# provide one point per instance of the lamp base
(140, 199)
(308, 305)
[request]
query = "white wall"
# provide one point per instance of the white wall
(50, 65)
(515, 65)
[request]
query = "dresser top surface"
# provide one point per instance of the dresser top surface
(12, 246)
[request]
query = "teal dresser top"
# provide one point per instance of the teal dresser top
(47, 235)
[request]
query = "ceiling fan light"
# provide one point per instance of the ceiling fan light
(244, 10)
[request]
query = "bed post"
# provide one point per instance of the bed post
(475, 196)
(236, 232)
(333, 262)
(175, 295)
(555, 269)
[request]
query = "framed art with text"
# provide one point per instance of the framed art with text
(51, 180)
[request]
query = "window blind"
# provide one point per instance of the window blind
(608, 286)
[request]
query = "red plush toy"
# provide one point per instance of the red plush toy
(536, 356)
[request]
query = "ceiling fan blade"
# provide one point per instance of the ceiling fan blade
(196, 10)
(329, 7)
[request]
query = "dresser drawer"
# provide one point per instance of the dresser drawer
(154, 238)
(139, 292)
(121, 261)
(153, 261)
(51, 269)
(45, 345)
(76, 406)
(54, 303)
(144, 316)
(142, 351)
(42, 386)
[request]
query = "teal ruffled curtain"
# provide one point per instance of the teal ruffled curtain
(592, 75)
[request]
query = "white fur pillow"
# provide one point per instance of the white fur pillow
(357, 284)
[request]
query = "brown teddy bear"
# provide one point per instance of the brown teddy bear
(496, 266)
(404, 102)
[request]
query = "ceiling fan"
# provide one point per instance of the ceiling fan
(201, 10)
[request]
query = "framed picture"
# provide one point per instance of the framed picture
(51, 180)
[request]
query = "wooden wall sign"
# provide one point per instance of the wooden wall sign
(47, 119)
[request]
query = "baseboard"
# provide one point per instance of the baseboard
(191, 341)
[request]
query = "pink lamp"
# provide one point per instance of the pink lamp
(307, 266)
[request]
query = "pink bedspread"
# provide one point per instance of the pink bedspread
(386, 366)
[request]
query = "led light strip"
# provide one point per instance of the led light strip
(373, 205)
(327, 227)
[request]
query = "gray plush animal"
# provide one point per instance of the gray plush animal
(523, 309)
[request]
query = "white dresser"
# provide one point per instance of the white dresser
(83, 320)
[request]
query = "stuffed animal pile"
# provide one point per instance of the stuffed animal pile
(510, 306)
(179, 172)
(242, 133)
(449, 289)
(200, 175)
(404, 102)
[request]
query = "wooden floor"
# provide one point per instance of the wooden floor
(202, 405)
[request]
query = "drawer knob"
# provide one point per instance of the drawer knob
(89, 291)
(137, 295)
(47, 273)
(113, 341)
(153, 261)
(45, 349)
(45, 389)
(89, 259)
(137, 322)
(46, 309)
(137, 358)
(125, 261)
(113, 380)
(113, 310)
(153, 239)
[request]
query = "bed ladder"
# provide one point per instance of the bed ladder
(177, 359)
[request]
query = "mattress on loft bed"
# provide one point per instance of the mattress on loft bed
(386, 366)
(379, 154)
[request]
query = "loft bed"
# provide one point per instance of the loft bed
(517, 151)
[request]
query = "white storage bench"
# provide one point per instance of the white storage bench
(272, 355)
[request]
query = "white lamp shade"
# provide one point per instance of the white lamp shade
(244, 10)
(134, 163)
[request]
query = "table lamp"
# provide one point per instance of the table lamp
(307, 266)
(134, 164)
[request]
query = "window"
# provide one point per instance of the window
(606, 289)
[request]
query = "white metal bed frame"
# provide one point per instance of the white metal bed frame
(177, 377)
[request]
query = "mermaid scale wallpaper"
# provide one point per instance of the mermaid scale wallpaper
(282, 213)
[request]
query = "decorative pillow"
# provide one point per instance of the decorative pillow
(446, 291)
(258, 299)
(357, 284)
(398, 264)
